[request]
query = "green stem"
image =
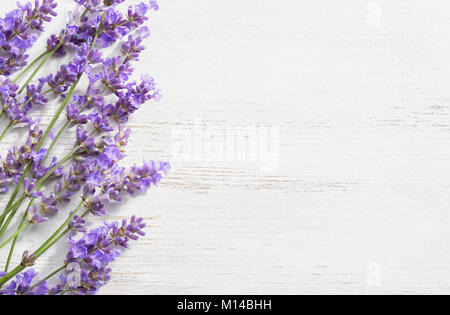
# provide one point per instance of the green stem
(11, 251)
(66, 291)
(55, 239)
(99, 31)
(15, 192)
(15, 235)
(63, 128)
(11, 123)
(36, 71)
(13, 245)
(8, 221)
(84, 13)
(11, 208)
(10, 275)
(45, 247)
(6, 130)
(26, 103)
(54, 273)
(55, 140)
(47, 244)
(31, 65)
(39, 184)
(58, 113)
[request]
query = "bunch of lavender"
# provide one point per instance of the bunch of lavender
(91, 171)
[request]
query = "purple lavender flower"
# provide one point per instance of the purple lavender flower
(17, 32)
(133, 47)
(113, 28)
(115, 74)
(41, 289)
(17, 115)
(92, 4)
(137, 14)
(116, 182)
(100, 122)
(34, 217)
(13, 165)
(77, 251)
(24, 281)
(53, 42)
(4, 183)
(97, 249)
(18, 111)
(74, 114)
(77, 224)
(84, 140)
(22, 285)
(94, 57)
(40, 13)
(38, 156)
(35, 96)
(8, 89)
(28, 185)
(10, 290)
(69, 74)
(125, 232)
(64, 189)
(48, 204)
(132, 99)
(114, 25)
(39, 170)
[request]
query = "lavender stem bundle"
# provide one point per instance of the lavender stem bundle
(97, 113)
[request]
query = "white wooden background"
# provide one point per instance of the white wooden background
(360, 94)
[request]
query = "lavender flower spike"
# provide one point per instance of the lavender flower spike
(34, 217)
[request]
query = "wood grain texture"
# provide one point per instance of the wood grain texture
(359, 91)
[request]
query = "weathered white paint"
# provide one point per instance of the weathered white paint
(360, 93)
